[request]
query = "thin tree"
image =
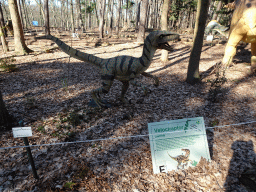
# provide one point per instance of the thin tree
(46, 22)
(193, 67)
(164, 24)
(19, 40)
(215, 15)
(118, 17)
(102, 13)
(2, 21)
(142, 22)
(138, 17)
(3, 39)
(79, 15)
(72, 16)
(5, 118)
(3, 32)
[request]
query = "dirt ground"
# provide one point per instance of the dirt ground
(50, 92)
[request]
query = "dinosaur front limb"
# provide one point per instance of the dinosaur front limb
(230, 50)
(151, 76)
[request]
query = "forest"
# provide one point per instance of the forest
(89, 77)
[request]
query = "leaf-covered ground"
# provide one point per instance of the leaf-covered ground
(50, 92)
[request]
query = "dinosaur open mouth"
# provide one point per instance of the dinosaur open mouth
(165, 46)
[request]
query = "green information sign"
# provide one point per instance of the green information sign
(177, 144)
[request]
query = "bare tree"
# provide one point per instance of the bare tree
(3, 40)
(19, 41)
(142, 22)
(72, 16)
(79, 15)
(164, 24)
(46, 22)
(102, 13)
(193, 67)
(2, 21)
(3, 31)
(5, 118)
(215, 15)
(118, 17)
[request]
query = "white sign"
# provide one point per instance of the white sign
(177, 144)
(21, 132)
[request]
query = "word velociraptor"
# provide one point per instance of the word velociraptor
(122, 68)
(182, 159)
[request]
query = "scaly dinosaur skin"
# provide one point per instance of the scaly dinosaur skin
(182, 159)
(243, 28)
(122, 68)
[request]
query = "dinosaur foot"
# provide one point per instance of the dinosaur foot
(101, 104)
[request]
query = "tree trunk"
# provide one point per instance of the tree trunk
(118, 17)
(19, 41)
(102, 13)
(5, 119)
(79, 15)
(26, 18)
(164, 23)
(193, 67)
(3, 40)
(2, 21)
(215, 15)
(137, 18)
(111, 9)
(20, 12)
(46, 22)
(143, 19)
(72, 16)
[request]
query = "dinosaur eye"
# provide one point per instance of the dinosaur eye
(161, 36)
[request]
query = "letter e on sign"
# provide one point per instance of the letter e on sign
(21, 132)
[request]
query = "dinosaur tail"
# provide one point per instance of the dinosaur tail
(172, 157)
(74, 52)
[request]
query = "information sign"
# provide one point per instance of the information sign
(35, 23)
(21, 132)
(177, 144)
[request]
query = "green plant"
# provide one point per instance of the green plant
(84, 172)
(216, 84)
(65, 84)
(41, 129)
(214, 123)
(5, 65)
(69, 185)
(74, 118)
(55, 134)
(71, 137)
(31, 102)
(63, 120)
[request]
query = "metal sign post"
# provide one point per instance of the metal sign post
(30, 157)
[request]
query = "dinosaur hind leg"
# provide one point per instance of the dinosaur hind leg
(253, 58)
(106, 85)
(124, 90)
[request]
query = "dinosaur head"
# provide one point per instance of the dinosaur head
(216, 26)
(160, 39)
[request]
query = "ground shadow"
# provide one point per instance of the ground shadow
(243, 159)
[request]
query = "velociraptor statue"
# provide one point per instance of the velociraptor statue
(122, 68)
